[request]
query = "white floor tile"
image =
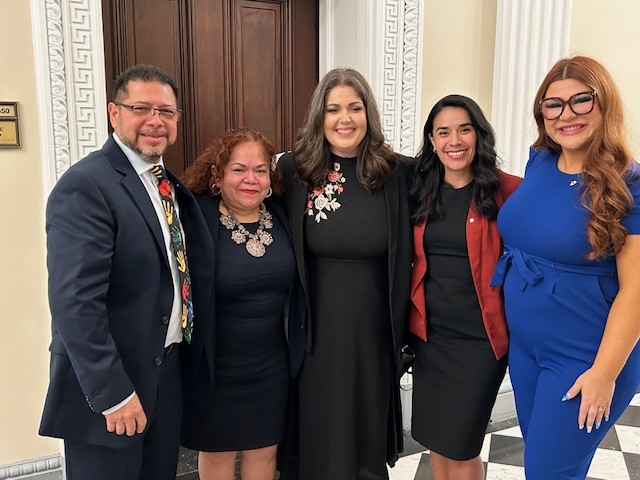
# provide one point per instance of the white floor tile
(486, 446)
(629, 438)
(510, 432)
(497, 471)
(608, 465)
(636, 400)
(406, 467)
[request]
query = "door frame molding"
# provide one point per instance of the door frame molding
(70, 80)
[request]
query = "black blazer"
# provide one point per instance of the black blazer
(398, 265)
(201, 355)
(110, 293)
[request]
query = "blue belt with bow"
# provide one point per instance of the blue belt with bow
(528, 267)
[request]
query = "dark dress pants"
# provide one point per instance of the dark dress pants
(155, 456)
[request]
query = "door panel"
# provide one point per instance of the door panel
(237, 63)
(257, 84)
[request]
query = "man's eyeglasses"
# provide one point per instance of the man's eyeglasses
(147, 111)
(579, 103)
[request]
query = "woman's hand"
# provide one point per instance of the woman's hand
(596, 393)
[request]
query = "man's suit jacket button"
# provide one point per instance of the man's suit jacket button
(157, 361)
(165, 320)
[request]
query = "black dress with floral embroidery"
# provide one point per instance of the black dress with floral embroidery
(346, 380)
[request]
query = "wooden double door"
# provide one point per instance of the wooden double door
(250, 63)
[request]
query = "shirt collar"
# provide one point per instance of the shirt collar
(138, 164)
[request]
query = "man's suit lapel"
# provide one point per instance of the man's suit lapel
(132, 184)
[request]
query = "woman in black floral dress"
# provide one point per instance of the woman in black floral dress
(346, 196)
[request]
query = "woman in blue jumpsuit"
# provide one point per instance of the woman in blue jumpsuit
(572, 292)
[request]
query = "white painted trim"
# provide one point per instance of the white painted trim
(530, 36)
(418, 124)
(70, 80)
(325, 43)
(45, 468)
(43, 92)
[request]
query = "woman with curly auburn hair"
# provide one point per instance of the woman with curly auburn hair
(346, 196)
(571, 288)
(246, 354)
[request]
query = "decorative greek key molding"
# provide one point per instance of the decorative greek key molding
(70, 75)
(410, 75)
(58, 86)
(392, 70)
(84, 80)
(400, 77)
(46, 468)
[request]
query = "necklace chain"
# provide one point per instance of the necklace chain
(255, 243)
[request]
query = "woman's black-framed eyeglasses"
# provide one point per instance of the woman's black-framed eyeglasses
(580, 103)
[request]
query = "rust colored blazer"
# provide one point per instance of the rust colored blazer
(485, 247)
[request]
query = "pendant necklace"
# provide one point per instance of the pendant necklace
(255, 243)
(574, 181)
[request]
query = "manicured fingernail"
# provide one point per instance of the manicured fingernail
(566, 397)
(581, 426)
(589, 429)
(597, 425)
(606, 419)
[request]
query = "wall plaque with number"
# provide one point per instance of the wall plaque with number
(9, 130)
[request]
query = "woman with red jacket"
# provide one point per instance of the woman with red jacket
(459, 333)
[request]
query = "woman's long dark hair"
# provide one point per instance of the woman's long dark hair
(428, 178)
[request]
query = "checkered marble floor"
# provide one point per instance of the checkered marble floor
(617, 458)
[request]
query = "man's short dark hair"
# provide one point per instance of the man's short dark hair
(144, 73)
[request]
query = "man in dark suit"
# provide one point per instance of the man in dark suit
(120, 294)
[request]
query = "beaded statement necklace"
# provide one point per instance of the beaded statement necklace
(255, 243)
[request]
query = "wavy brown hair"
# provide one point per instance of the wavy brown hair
(311, 151)
(608, 157)
(209, 167)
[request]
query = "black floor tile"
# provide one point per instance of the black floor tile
(506, 450)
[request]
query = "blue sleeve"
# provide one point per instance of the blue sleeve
(632, 220)
(536, 157)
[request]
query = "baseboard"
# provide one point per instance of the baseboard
(504, 408)
(45, 468)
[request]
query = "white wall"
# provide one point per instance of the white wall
(24, 321)
(608, 31)
(458, 52)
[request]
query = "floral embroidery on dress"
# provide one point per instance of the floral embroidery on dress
(323, 199)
